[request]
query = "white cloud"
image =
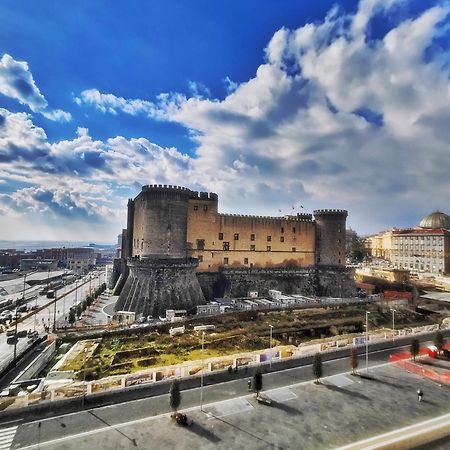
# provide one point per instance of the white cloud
(332, 118)
(109, 103)
(16, 81)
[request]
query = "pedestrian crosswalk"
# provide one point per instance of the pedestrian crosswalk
(7, 437)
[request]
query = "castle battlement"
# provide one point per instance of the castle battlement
(204, 196)
(342, 212)
(298, 218)
(164, 187)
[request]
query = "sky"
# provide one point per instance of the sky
(278, 106)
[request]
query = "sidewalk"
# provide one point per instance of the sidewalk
(409, 437)
(343, 409)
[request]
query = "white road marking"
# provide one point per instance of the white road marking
(7, 437)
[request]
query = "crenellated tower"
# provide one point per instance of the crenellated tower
(161, 272)
(330, 236)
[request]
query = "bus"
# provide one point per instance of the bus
(51, 293)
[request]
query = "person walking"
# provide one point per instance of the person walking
(419, 394)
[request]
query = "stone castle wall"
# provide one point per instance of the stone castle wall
(156, 285)
(309, 281)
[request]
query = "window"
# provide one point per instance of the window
(226, 245)
(269, 238)
(269, 248)
(294, 249)
(293, 229)
(200, 244)
(195, 207)
(252, 248)
(205, 208)
(245, 260)
(236, 236)
(252, 237)
(220, 236)
(282, 229)
(225, 261)
(281, 238)
(200, 258)
(318, 259)
(339, 261)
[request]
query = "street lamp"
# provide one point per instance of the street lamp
(84, 378)
(270, 339)
(393, 323)
(15, 320)
(201, 374)
(367, 340)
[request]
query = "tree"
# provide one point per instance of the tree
(415, 348)
(257, 381)
(355, 248)
(439, 340)
(174, 396)
(72, 316)
(89, 300)
(317, 367)
(79, 310)
(354, 359)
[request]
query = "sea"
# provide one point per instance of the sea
(30, 246)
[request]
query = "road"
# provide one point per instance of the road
(233, 420)
(66, 297)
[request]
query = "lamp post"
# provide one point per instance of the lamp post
(15, 320)
(367, 341)
(201, 374)
(64, 299)
(76, 292)
(84, 378)
(270, 344)
(393, 324)
(54, 312)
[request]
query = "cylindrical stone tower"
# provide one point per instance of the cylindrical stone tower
(330, 237)
(161, 273)
(160, 222)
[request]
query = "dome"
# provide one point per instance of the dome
(436, 220)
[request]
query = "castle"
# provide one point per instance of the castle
(178, 250)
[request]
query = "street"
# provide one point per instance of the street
(232, 419)
(66, 297)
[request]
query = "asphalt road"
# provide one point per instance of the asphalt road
(85, 429)
(44, 318)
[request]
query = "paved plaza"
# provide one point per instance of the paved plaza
(341, 410)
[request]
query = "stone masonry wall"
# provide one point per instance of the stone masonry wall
(323, 281)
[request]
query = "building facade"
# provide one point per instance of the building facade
(425, 248)
(219, 240)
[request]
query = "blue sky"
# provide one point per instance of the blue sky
(268, 103)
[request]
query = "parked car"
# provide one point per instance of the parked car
(32, 335)
(22, 308)
(21, 333)
(10, 332)
(11, 339)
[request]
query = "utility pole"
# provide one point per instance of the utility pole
(201, 375)
(15, 320)
(84, 378)
(393, 324)
(270, 361)
(367, 341)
